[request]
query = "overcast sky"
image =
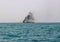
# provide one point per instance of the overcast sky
(17, 10)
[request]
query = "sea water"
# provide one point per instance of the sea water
(29, 32)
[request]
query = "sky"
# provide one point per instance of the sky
(17, 10)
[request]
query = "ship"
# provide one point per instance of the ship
(29, 18)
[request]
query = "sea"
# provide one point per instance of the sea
(29, 32)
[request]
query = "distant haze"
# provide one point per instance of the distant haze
(17, 10)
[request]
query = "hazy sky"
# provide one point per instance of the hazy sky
(17, 10)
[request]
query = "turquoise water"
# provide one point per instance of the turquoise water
(29, 32)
